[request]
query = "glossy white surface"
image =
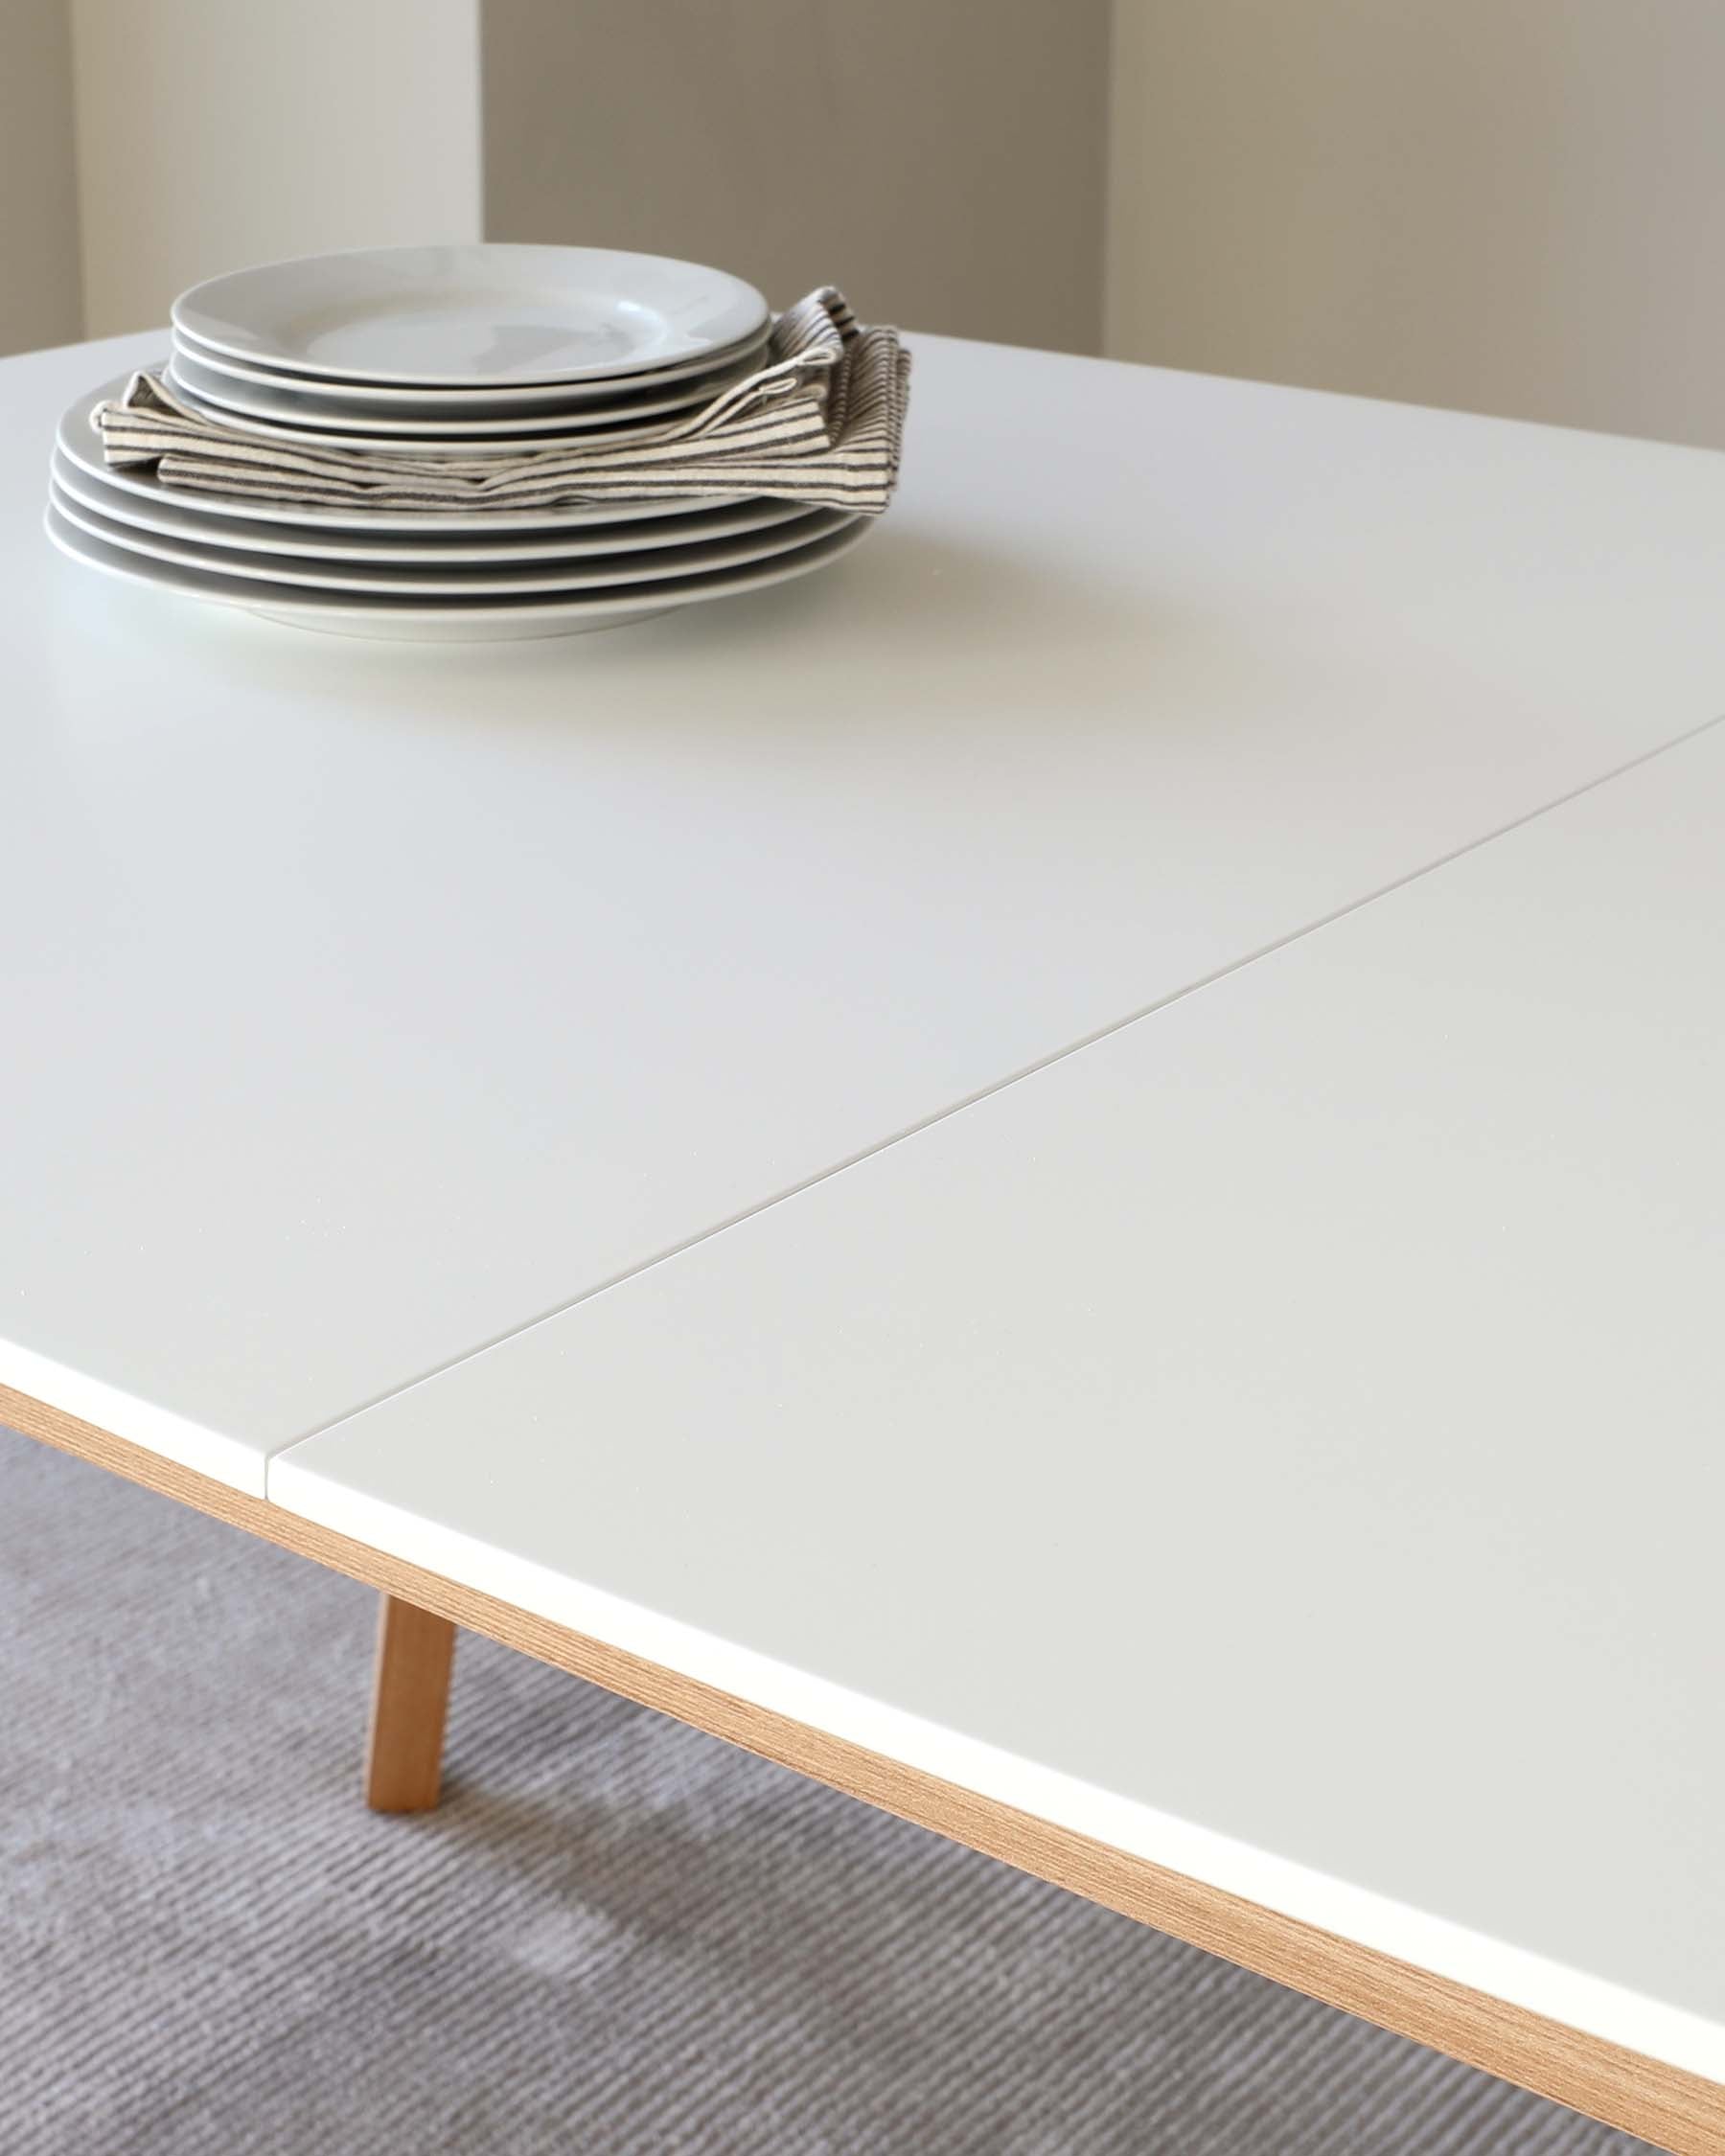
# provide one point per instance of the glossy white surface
(1281, 1438)
(380, 1001)
(176, 517)
(575, 606)
(686, 554)
(478, 313)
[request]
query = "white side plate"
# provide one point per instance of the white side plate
(472, 315)
(496, 402)
(447, 619)
(440, 443)
(459, 579)
(182, 518)
(307, 407)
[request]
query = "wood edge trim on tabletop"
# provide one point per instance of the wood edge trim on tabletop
(1679, 2111)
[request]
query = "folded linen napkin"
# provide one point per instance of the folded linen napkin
(821, 422)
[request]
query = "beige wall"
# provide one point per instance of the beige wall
(1507, 205)
(40, 282)
(212, 133)
(1512, 206)
(944, 160)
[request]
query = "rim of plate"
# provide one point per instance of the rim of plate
(533, 396)
(289, 601)
(76, 430)
(441, 446)
(458, 580)
(641, 311)
(171, 517)
(235, 403)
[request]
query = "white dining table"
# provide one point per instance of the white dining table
(1071, 1176)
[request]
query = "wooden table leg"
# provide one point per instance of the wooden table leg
(410, 1695)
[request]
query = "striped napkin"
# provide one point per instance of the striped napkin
(821, 422)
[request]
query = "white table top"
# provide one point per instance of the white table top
(369, 1003)
(1280, 1439)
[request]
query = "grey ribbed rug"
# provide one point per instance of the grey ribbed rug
(616, 1934)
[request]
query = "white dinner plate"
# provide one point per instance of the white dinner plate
(78, 440)
(167, 516)
(458, 580)
(442, 443)
(449, 620)
(234, 401)
(472, 315)
(494, 403)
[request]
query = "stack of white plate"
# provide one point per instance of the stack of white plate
(446, 350)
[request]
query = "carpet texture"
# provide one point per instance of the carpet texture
(616, 1934)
